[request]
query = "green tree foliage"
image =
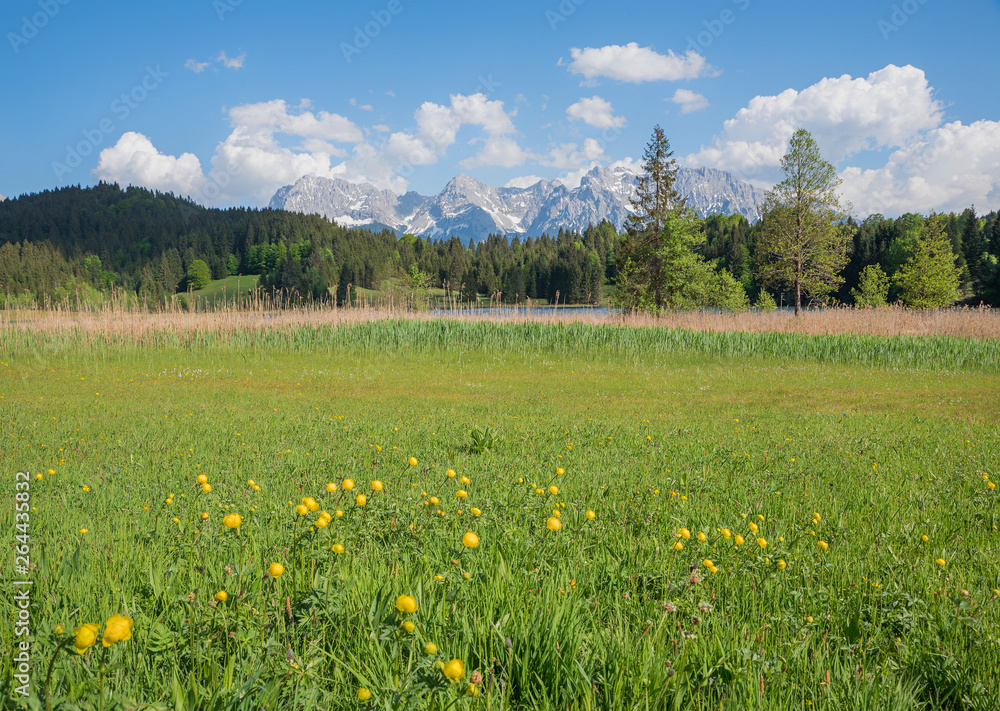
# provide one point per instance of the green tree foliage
(930, 278)
(803, 242)
(198, 274)
(873, 287)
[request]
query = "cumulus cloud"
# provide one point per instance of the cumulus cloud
(523, 181)
(689, 101)
(235, 63)
(196, 67)
(635, 64)
(596, 112)
(930, 165)
(570, 156)
(133, 160)
(844, 114)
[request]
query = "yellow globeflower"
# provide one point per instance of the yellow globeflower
(823, 544)
(782, 565)
(331, 487)
(377, 485)
(560, 471)
(322, 522)
(207, 488)
(461, 493)
(338, 513)
(702, 537)
(434, 500)
(301, 509)
(413, 461)
(940, 561)
(591, 515)
(85, 637)
(430, 648)
(408, 626)
(275, 570)
(118, 628)
(454, 670)
(924, 538)
(337, 548)
(222, 596)
(753, 527)
(465, 480)
(475, 511)
(311, 504)
(361, 500)
(685, 534)
(726, 533)
(233, 520)
(451, 473)
(406, 603)
(364, 694)
(553, 524)
(678, 546)
(202, 479)
(708, 563)
(348, 484)
(51, 472)
(204, 515)
(762, 542)
(470, 540)
(738, 539)
(553, 489)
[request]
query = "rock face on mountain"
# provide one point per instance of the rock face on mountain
(471, 209)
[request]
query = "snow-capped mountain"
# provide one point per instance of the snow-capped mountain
(472, 209)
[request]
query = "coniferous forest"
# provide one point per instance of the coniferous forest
(81, 243)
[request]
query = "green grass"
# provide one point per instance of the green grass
(227, 289)
(656, 431)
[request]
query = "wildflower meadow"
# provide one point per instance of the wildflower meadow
(436, 514)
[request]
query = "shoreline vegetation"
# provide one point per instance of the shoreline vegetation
(893, 336)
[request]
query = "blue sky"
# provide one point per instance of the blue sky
(227, 100)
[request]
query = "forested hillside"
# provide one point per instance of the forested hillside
(84, 242)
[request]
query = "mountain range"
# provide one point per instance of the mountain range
(472, 209)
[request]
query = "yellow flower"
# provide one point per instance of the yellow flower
(348, 484)
(202, 479)
(924, 538)
(413, 461)
(591, 515)
(361, 500)
(726, 533)
(823, 544)
(475, 511)
(461, 493)
(702, 537)
(782, 565)
(685, 533)
(738, 539)
(762, 542)
(408, 626)
(301, 509)
(753, 527)
(275, 570)
(434, 500)
(406, 603)
(560, 471)
(204, 515)
(553, 489)
(809, 619)
(51, 472)
(118, 628)
(331, 487)
(39, 476)
(222, 596)
(553, 524)
(430, 648)
(337, 548)
(464, 480)
(707, 563)
(678, 546)
(175, 519)
(472, 690)
(377, 485)
(364, 694)
(85, 637)
(470, 540)
(322, 522)
(451, 473)
(454, 670)
(83, 531)
(311, 504)
(940, 561)
(233, 520)
(338, 513)
(438, 578)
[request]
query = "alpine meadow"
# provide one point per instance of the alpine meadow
(509, 357)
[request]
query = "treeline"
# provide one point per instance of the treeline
(82, 243)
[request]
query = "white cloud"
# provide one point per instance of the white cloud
(636, 64)
(363, 107)
(689, 101)
(196, 67)
(231, 62)
(523, 181)
(845, 116)
(381, 128)
(133, 160)
(570, 156)
(931, 166)
(498, 150)
(947, 168)
(596, 112)
(274, 116)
